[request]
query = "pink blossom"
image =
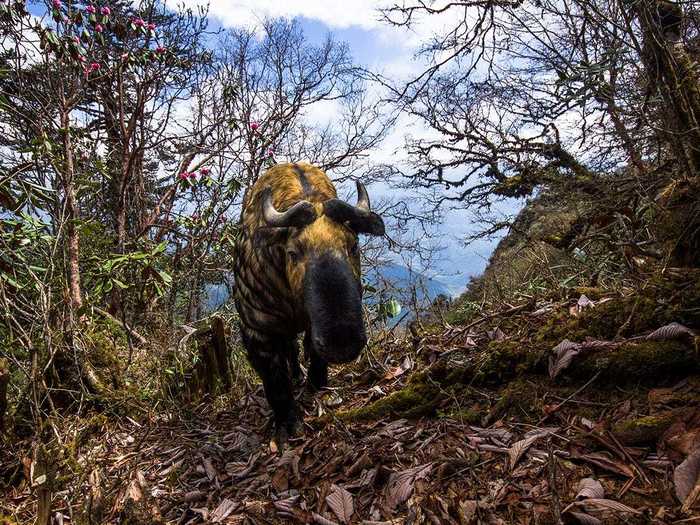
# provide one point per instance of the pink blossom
(94, 66)
(160, 50)
(204, 172)
(138, 22)
(270, 152)
(57, 4)
(254, 125)
(99, 28)
(193, 175)
(91, 9)
(184, 175)
(106, 11)
(151, 26)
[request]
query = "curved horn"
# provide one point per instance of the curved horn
(362, 197)
(300, 214)
(359, 218)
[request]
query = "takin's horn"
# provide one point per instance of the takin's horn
(359, 218)
(299, 214)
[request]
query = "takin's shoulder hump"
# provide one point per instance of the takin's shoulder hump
(293, 182)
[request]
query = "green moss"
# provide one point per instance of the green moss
(603, 321)
(644, 430)
(593, 293)
(518, 398)
(508, 359)
(463, 415)
(653, 362)
(415, 400)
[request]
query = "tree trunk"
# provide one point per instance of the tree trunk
(674, 74)
(72, 216)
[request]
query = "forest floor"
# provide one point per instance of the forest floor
(442, 427)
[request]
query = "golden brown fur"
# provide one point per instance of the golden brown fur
(268, 286)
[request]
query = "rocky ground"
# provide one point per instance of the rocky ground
(481, 423)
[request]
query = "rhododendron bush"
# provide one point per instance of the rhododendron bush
(130, 132)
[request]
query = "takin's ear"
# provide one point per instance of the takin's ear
(271, 235)
(359, 220)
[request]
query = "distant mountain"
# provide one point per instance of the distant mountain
(398, 277)
(404, 278)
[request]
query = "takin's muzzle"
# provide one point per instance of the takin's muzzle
(333, 303)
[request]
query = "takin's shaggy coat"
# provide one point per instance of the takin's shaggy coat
(297, 269)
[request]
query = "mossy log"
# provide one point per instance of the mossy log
(645, 430)
(507, 365)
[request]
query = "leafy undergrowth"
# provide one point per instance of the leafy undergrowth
(468, 424)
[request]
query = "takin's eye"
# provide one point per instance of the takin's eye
(293, 255)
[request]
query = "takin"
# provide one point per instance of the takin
(297, 269)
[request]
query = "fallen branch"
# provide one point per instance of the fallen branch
(130, 331)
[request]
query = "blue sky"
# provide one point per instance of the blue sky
(390, 51)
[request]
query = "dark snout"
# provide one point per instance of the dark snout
(340, 349)
(334, 306)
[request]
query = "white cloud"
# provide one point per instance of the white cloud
(333, 13)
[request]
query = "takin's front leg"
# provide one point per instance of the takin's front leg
(271, 362)
(318, 368)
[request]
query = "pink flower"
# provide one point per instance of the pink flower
(184, 175)
(152, 27)
(254, 125)
(106, 11)
(160, 50)
(204, 172)
(57, 4)
(94, 66)
(138, 22)
(99, 28)
(270, 152)
(91, 9)
(193, 175)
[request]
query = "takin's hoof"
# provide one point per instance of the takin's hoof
(283, 433)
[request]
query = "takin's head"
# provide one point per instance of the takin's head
(323, 268)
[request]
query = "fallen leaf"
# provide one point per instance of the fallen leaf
(517, 449)
(585, 519)
(564, 353)
(467, 511)
(605, 463)
(341, 503)
(209, 468)
(222, 511)
(687, 475)
(400, 484)
(605, 505)
(671, 331)
(322, 521)
(590, 488)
